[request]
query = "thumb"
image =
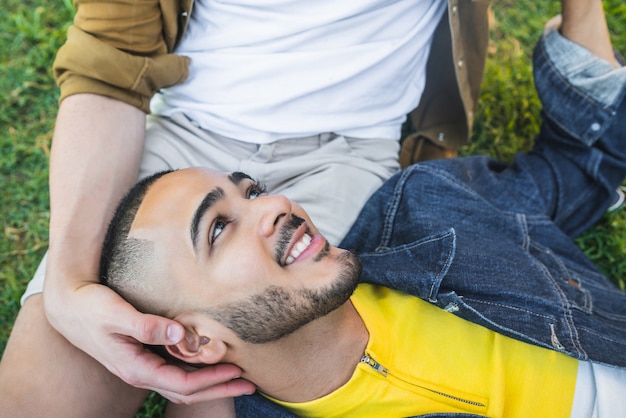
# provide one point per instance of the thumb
(157, 330)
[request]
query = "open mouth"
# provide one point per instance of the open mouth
(298, 248)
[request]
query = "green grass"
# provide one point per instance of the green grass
(32, 31)
(30, 34)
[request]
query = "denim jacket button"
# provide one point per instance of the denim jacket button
(573, 283)
(595, 126)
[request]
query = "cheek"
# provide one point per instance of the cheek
(248, 271)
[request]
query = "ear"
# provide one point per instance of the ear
(198, 349)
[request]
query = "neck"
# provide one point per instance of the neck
(310, 363)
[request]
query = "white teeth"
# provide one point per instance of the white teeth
(297, 249)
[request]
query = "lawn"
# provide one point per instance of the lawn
(32, 31)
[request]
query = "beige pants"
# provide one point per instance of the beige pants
(330, 176)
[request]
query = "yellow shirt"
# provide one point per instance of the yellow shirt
(422, 359)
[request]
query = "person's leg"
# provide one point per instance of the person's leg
(331, 182)
(202, 410)
(176, 142)
(49, 377)
(330, 176)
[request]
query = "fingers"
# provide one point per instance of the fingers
(156, 330)
(152, 372)
(225, 389)
(144, 369)
(114, 333)
(145, 328)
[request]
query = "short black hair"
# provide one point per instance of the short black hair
(122, 258)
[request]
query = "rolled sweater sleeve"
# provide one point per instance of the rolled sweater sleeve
(120, 49)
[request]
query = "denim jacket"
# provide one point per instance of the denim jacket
(493, 243)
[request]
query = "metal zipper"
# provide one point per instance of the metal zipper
(385, 372)
(375, 365)
(465, 401)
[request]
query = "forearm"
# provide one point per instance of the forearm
(584, 23)
(95, 157)
(96, 153)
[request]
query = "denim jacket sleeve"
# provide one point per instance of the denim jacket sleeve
(579, 155)
(578, 159)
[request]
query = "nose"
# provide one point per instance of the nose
(271, 211)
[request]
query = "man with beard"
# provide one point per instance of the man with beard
(257, 286)
(468, 294)
(310, 95)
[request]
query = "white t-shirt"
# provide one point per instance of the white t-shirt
(600, 391)
(264, 70)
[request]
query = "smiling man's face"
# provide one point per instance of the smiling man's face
(254, 262)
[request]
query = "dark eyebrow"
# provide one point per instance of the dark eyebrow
(237, 176)
(209, 200)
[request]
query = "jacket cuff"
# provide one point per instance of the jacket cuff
(595, 76)
(77, 84)
(579, 91)
(85, 64)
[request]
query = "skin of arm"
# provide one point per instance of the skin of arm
(95, 158)
(580, 24)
